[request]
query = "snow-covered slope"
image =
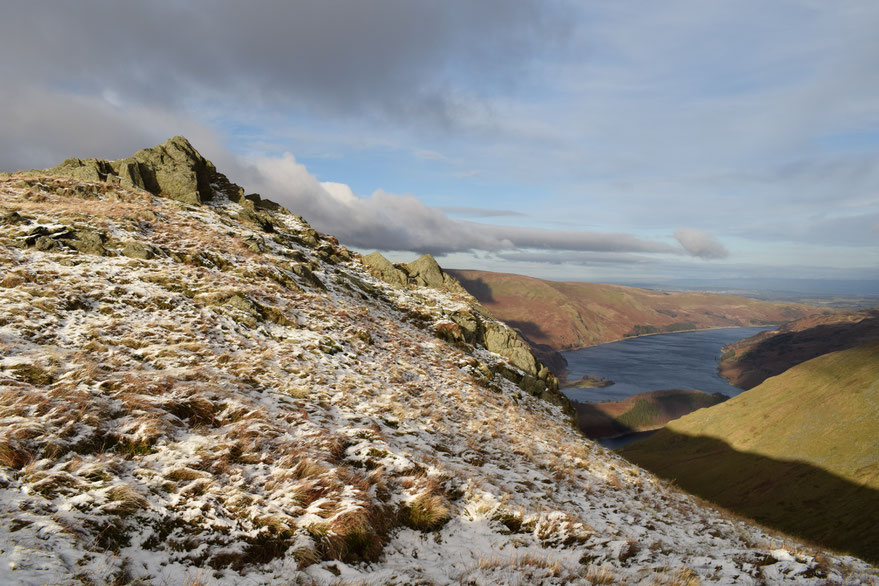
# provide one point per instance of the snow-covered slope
(190, 395)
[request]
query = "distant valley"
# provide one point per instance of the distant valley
(557, 316)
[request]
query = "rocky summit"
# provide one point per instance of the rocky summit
(196, 387)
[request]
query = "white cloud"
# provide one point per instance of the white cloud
(700, 243)
(388, 221)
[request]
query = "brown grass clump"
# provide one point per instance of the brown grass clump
(13, 455)
(685, 577)
(521, 562)
(602, 575)
(427, 512)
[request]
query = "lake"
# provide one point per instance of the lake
(685, 360)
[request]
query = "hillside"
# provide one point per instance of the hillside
(199, 388)
(641, 412)
(748, 362)
(566, 316)
(809, 441)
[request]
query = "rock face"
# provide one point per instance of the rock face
(474, 326)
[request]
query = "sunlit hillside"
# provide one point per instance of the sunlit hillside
(797, 452)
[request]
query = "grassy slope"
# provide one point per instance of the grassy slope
(747, 363)
(799, 452)
(640, 412)
(575, 315)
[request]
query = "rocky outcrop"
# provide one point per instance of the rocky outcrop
(173, 169)
(474, 326)
(381, 268)
(477, 328)
(422, 272)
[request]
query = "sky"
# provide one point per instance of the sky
(586, 140)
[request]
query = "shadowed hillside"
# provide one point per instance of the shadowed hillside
(640, 412)
(566, 316)
(748, 362)
(794, 497)
(800, 452)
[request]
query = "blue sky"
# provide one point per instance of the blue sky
(608, 141)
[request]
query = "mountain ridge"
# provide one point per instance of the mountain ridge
(570, 315)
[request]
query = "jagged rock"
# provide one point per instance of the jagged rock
(172, 169)
(426, 272)
(45, 243)
(504, 341)
(128, 171)
(265, 204)
(175, 169)
(304, 271)
(255, 217)
(90, 169)
(13, 218)
(383, 269)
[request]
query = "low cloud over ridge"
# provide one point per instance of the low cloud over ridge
(387, 221)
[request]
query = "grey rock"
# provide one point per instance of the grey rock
(88, 242)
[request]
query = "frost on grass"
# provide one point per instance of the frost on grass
(186, 396)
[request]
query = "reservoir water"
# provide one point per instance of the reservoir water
(685, 360)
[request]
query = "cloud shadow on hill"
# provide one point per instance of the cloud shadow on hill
(794, 497)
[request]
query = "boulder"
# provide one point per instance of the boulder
(426, 272)
(381, 268)
(138, 250)
(88, 242)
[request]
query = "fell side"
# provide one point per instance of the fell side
(197, 387)
(748, 362)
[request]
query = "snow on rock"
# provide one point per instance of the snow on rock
(245, 404)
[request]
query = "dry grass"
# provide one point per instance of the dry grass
(523, 561)
(596, 575)
(14, 456)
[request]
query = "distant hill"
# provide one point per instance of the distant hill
(799, 452)
(748, 362)
(641, 412)
(566, 316)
